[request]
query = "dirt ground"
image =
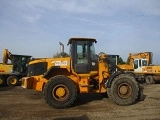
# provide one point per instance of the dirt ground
(17, 103)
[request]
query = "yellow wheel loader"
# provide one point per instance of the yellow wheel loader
(61, 79)
(11, 73)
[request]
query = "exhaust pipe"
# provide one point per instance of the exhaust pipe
(61, 49)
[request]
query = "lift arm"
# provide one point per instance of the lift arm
(6, 56)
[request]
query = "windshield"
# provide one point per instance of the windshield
(82, 52)
(144, 62)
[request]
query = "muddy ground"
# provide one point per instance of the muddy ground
(17, 103)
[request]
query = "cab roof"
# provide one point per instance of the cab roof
(81, 39)
(21, 55)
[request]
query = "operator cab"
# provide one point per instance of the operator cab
(20, 63)
(139, 64)
(82, 52)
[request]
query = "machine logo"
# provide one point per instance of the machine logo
(60, 63)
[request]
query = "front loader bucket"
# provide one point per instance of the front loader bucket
(27, 82)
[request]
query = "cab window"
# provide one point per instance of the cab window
(92, 51)
(82, 53)
(135, 64)
(144, 63)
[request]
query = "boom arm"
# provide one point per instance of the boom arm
(6, 56)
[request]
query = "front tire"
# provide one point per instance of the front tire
(124, 90)
(12, 80)
(60, 92)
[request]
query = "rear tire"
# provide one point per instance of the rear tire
(149, 79)
(60, 92)
(124, 90)
(12, 81)
(2, 81)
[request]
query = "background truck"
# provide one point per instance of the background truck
(11, 73)
(141, 65)
(61, 79)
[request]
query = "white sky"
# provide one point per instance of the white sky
(35, 27)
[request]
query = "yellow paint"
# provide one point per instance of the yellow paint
(27, 82)
(60, 92)
(13, 81)
(84, 84)
(38, 85)
(5, 69)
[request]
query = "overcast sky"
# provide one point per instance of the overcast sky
(35, 27)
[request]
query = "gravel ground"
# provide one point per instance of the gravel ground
(17, 103)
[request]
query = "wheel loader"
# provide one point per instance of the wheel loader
(11, 73)
(61, 79)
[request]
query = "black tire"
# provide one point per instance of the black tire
(60, 92)
(149, 79)
(109, 92)
(12, 81)
(2, 81)
(124, 90)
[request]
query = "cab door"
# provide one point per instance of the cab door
(80, 56)
(83, 55)
(137, 65)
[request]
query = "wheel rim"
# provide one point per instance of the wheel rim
(124, 90)
(13, 81)
(60, 92)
